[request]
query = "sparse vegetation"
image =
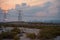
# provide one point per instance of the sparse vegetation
(48, 30)
(11, 35)
(29, 24)
(16, 38)
(49, 33)
(31, 35)
(15, 30)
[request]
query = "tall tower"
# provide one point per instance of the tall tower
(58, 8)
(24, 3)
(19, 15)
(19, 11)
(1, 15)
(5, 15)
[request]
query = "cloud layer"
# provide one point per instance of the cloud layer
(8, 4)
(48, 10)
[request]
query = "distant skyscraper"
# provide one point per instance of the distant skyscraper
(23, 4)
(1, 15)
(12, 15)
(19, 15)
(58, 5)
(5, 15)
(19, 11)
(17, 7)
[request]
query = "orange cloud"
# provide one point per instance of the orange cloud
(7, 4)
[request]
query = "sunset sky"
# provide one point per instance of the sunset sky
(8, 4)
(35, 10)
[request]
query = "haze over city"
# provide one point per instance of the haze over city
(29, 19)
(6, 4)
(33, 10)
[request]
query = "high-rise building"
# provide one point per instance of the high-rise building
(5, 15)
(23, 4)
(58, 6)
(19, 11)
(12, 15)
(19, 15)
(1, 15)
(17, 7)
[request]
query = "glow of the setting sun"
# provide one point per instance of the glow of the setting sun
(8, 4)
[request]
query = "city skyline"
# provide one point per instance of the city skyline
(8, 4)
(48, 11)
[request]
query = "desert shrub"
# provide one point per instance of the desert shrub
(49, 32)
(31, 35)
